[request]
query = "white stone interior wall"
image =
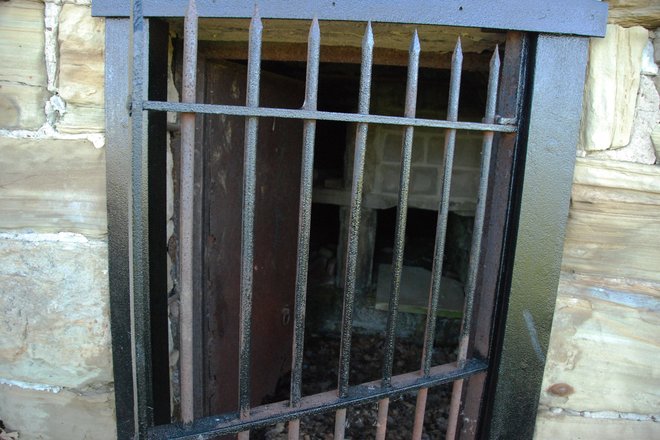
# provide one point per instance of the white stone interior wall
(55, 359)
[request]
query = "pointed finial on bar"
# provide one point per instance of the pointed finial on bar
(255, 22)
(192, 9)
(314, 32)
(457, 56)
(368, 39)
(493, 82)
(415, 47)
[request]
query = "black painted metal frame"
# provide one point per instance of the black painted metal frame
(537, 211)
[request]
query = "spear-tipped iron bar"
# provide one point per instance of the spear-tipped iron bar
(305, 214)
(441, 228)
(309, 130)
(400, 232)
(247, 231)
(189, 80)
(402, 209)
(355, 215)
(475, 250)
(354, 227)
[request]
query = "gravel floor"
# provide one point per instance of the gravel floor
(320, 374)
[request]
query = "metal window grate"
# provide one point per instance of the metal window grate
(346, 394)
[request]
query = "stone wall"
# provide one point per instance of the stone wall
(601, 377)
(55, 359)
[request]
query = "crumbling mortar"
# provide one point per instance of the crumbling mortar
(47, 131)
(91, 390)
(604, 415)
(55, 107)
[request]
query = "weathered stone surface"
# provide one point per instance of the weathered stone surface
(604, 346)
(614, 222)
(611, 88)
(22, 69)
(655, 138)
(647, 116)
(81, 44)
(52, 186)
(42, 415)
(54, 299)
(551, 426)
(635, 13)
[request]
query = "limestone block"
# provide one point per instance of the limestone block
(81, 48)
(635, 13)
(647, 116)
(45, 415)
(614, 222)
(551, 426)
(604, 347)
(55, 327)
(52, 186)
(611, 88)
(22, 69)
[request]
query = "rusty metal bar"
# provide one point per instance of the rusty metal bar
(443, 213)
(420, 409)
(340, 424)
(232, 110)
(475, 250)
(213, 426)
(189, 80)
(381, 421)
(247, 231)
(305, 215)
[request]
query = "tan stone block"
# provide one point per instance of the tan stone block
(66, 415)
(55, 327)
(635, 13)
(22, 70)
(52, 186)
(604, 350)
(81, 44)
(611, 88)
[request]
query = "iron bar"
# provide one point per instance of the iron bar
(189, 80)
(441, 228)
(402, 209)
(304, 216)
(355, 214)
(354, 228)
(247, 225)
(475, 250)
(304, 114)
(213, 426)
(400, 231)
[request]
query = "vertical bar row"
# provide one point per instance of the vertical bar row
(475, 249)
(400, 232)
(443, 213)
(304, 218)
(354, 225)
(247, 224)
(186, 214)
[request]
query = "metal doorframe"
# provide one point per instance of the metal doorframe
(532, 253)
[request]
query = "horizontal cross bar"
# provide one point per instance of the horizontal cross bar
(210, 427)
(234, 110)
